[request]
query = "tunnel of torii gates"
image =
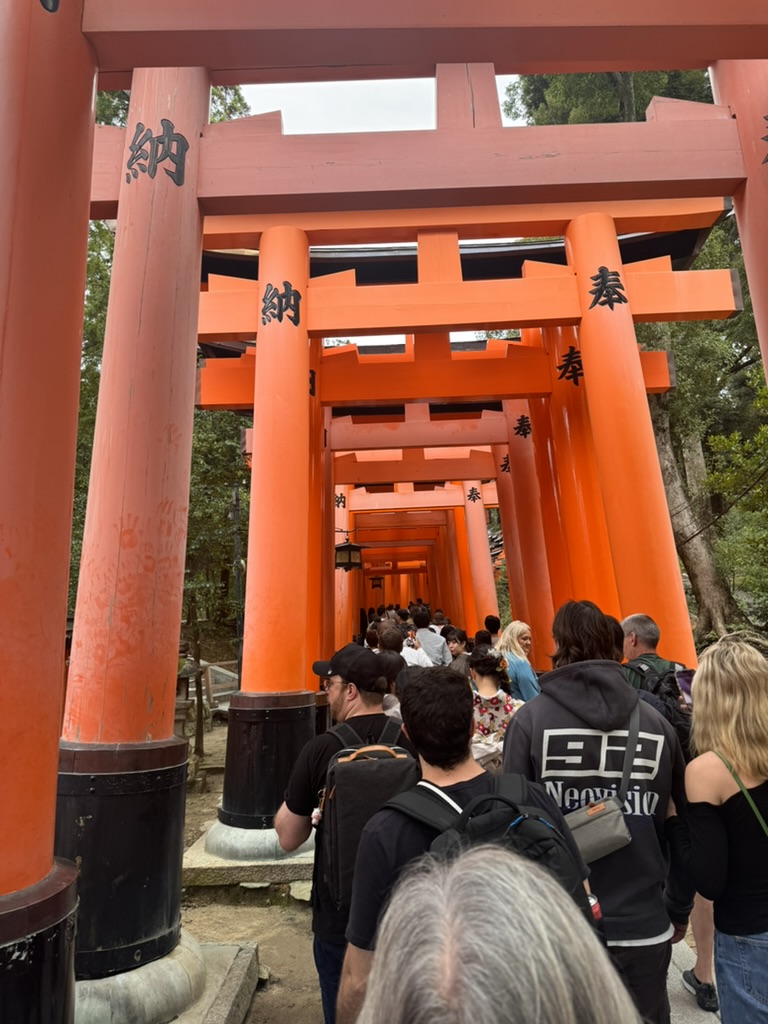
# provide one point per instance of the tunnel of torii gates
(176, 185)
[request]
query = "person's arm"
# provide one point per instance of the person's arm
(292, 829)
(698, 838)
(517, 746)
(446, 654)
(527, 682)
(354, 979)
(293, 821)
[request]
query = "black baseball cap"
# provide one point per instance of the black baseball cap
(355, 664)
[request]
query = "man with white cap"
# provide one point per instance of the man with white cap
(356, 687)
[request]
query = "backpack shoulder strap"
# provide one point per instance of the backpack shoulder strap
(347, 735)
(390, 734)
(426, 806)
(510, 786)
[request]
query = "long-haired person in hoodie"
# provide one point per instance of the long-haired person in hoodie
(572, 738)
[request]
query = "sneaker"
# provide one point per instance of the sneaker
(705, 993)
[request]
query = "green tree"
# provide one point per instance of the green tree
(711, 358)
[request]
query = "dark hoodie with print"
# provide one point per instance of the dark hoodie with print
(572, 739)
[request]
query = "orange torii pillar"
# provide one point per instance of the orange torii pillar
(581, 503)
(318, 496)
(344, 580)
(273, 716)
(647, 574)
(483, 583)
(449, 578)
(461, 547)
(448, 537)
(505, 490)
(533, 551)
(122, 771)
(46, 123)
(546, 471)
(743, 86)
(328, 584)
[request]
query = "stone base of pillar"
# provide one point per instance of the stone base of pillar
(156, 992)
(249, 843)
(37, 946)
(120, 817)
(265, 734)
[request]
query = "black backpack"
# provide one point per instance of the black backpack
(499, 817)
(359, 780)
(669, 699)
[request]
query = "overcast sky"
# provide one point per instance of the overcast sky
(391, 105)
(395, 105)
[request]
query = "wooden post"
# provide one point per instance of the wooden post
(46, 123)
(643, 548)
(118, 722)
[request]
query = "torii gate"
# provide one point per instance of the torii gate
(131, 612)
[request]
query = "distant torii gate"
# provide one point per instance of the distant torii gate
(119, 717)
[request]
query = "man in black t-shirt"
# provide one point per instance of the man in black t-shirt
(356, 688)
(438, 715)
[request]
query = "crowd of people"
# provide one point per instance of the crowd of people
(490, 935)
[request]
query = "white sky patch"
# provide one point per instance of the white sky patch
(406, 104)
(311, 108)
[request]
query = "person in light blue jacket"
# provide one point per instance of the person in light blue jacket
(515, 645)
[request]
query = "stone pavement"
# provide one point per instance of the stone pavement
(685, 1009)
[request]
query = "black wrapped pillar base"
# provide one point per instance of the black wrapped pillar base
(120, 817)
(37, 947)
(266, 731)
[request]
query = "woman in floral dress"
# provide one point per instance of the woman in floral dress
(494, 705)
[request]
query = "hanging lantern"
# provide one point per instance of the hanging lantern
(348, 556)
(376, 582)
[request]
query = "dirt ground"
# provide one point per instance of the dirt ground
(279, 924)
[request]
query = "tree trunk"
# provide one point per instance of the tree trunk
(717, 610)
(624, 84)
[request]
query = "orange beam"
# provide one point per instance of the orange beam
(504, 221)
(248, 167)
(450, 496)
(388, 521)
(233, 313)
(346, 435)
(228, 383)
(242, 42)
(348, 470)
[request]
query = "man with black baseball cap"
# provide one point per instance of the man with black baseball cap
(356, 686)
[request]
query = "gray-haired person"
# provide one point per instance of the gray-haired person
(489, 938)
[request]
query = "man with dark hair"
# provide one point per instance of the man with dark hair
(573, 738)
(391, 639)
(431, 643)
(355, 682)
(438, 717)
(493, 624)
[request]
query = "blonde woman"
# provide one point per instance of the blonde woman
(515, 644)
(723, 836)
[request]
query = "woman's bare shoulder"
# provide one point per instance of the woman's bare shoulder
(707, 780)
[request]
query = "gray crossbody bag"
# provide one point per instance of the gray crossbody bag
(600, 828)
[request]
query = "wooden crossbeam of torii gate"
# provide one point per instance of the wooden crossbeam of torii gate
(261, 43)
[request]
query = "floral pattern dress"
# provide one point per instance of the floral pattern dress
(492, 715)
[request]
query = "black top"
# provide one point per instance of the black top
(726, 852)
(302, 796)
(391, 840)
